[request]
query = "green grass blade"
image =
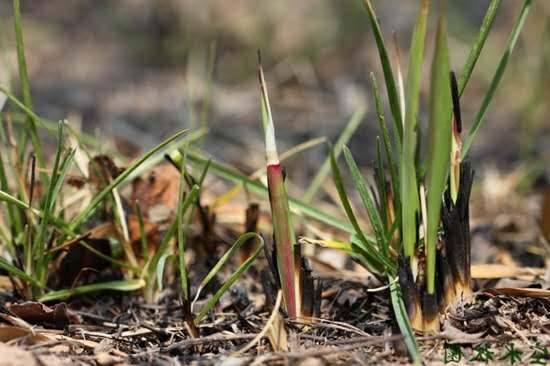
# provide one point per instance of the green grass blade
(478, 44)
(143, 237)
(190, 137)
(368, 202)
(124, 286)
(365, 244)
(8, 198)
(48, 215)
(388, 147)
(31, 130)
(297, 206)
(226, 257)
(518, 26)
(182, 237)
(343, 139)
(391, 88)
(188, 202)
(14, 216)
(408, 176)
(439, 148)
(403, 322)
(14, 271)
(380, 178)
(205, 108)
(50, 127)
(83, 215)
(118, 263)
(161, 264)
(227, 284)
(59, 170)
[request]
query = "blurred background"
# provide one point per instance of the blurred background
(138, 70)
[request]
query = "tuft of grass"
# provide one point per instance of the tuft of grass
(406, 222)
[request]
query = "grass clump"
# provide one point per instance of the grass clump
(41, 229)
(419, 215)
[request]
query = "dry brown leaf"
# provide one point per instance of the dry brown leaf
(489, 271)
(11, 332)
(37, 313)
(159, 187)
(277, 334)
(516, 291)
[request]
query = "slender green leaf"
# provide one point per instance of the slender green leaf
(380, 178)
(478, 120)
(343, 139)
(14, 216)
(8, 198)
(408, 177)
(388, 147)
(478, 44)
(142, 235)
(391, 88)
(160, 269)
(368, 202)
(30, 131)
(124, 286)
(439, 148)
(14, 271)
(189, 200)
(226, 257)
(181, 232)
(60, 169)
(403, 322)
(227, 284)
(377, 262)
(48, 217)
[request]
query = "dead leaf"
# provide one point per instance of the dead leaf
(489, 271)
(159, 187)
(516, 291)
(37, 313)
(10, 332)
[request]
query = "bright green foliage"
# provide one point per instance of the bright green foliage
(439, 145)
(408, 176)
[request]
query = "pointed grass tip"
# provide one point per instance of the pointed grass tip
(267, 119)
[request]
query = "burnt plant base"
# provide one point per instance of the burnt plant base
(455, 217)
(453, 276)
